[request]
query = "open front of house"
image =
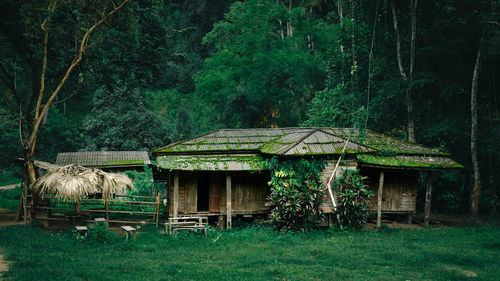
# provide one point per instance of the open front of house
(221, 173)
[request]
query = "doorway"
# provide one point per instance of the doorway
(203, 191)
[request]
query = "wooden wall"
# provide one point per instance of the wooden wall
(187, 193)
(327, 206)
(248, 193)
(399, 192)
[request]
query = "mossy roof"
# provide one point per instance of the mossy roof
(304, 142)
(409, 161)
(276, 141)
(210, 162)
(103, 158)
(386, 143)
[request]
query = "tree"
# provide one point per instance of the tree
(474, 107)
(31, 104)
(407, 75)
(264, 71)
(123, 125)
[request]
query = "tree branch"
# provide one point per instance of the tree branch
(74, 63)
(45, 28)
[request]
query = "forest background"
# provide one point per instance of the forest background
(161, 71)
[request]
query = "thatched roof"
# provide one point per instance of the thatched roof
(74, 182)
(103, 159)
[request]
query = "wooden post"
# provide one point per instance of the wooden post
(157, 208)
(106, 205)
(25, 205)
(228, 200)
(428, 197)
(379, 199)
(176, 194)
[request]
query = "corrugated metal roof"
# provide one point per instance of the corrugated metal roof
(103, 158)
(210, 162)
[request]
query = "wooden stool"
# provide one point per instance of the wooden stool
(99, 220)
(128, 230)
(82, 230)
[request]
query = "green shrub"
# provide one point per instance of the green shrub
(296, 192)
(352, 196)
(100, 230)
(143, 182)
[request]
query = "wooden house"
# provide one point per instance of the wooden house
(221, 173)
(109, 161)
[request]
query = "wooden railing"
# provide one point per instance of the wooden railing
(132, 209)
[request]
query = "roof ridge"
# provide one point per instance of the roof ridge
(351, 140)
(292, 145)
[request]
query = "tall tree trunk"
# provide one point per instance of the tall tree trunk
(476, 189)
(408, 79)
(493, 186)
(370, 63)
(409, 99)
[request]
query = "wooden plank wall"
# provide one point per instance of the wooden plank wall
(187, 193)
(217, 192)
(249, 192)
(327, 206)
(399, 193)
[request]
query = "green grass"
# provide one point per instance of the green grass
(257, 253)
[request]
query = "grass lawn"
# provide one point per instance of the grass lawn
(257, 253)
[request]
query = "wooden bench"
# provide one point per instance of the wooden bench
(82, 230)
(186, 223)
(128, 230)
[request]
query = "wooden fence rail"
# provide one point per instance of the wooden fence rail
(109, 206)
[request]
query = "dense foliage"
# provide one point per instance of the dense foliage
(353, 196)
(143, 182)
(160, 71)
(296, 192)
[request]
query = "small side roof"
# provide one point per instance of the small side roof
(418, 162)
(211, 162)
(103, 158)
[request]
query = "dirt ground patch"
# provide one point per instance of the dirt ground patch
(8, 217)
(4, 264)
